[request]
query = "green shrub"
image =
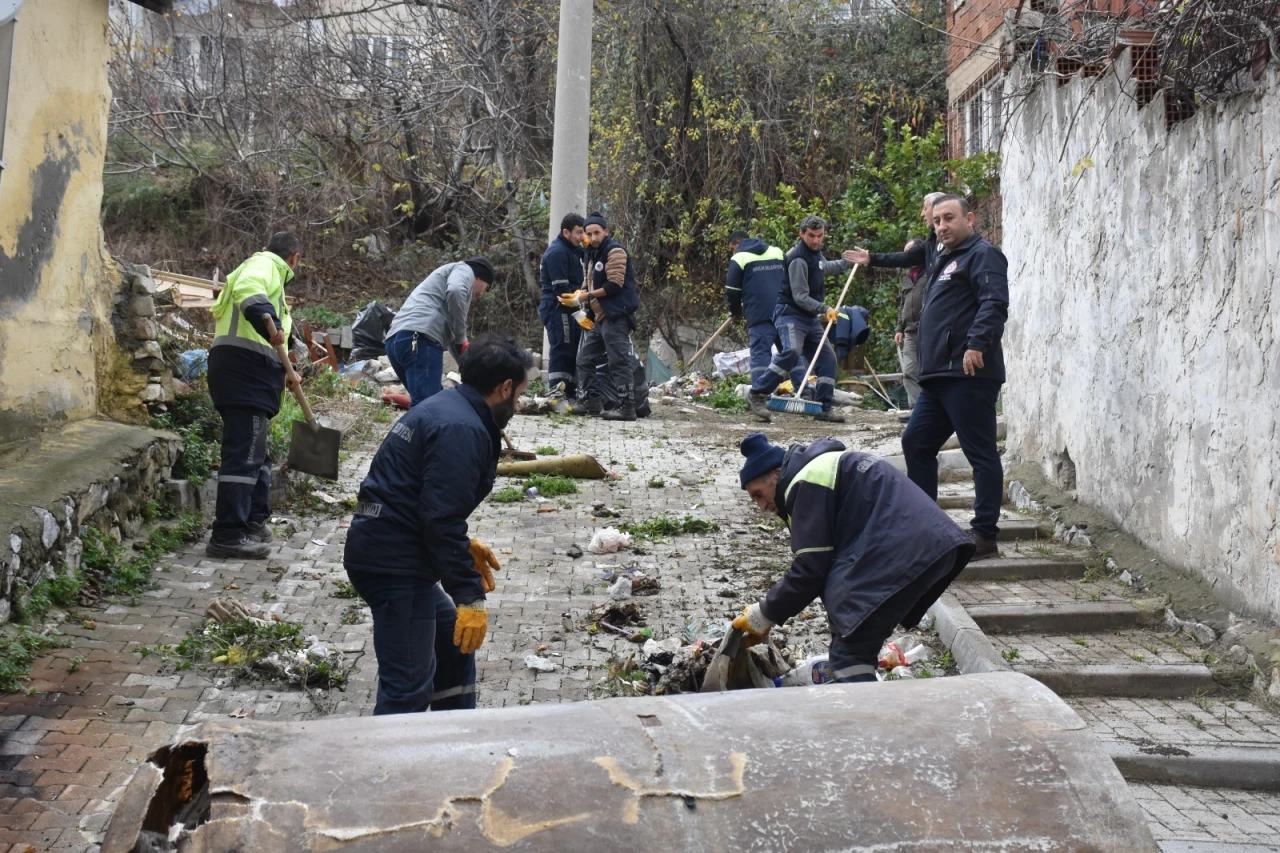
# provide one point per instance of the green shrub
(322, 316)
(16, 654)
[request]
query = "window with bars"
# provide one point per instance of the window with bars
(984, 118)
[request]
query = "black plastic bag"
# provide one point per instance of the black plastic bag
(370, 330)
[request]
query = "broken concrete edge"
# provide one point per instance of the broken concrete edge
(1240, 767)
(1185, 591)
(969, 646)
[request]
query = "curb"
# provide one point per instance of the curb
(1241, 767)
(1139, 681)
(1085, 618)
(970, 648)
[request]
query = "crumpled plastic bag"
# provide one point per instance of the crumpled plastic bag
(608, 541)
(539, 663)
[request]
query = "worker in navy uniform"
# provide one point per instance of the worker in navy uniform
(408, 551)
(561, 273)
(755, 280)
(866, 541)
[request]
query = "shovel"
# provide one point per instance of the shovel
(313, 449)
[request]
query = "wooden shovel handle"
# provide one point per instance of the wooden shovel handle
(711, 340)
(288, 368)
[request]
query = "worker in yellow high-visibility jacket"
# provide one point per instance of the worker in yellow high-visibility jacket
(246, 380)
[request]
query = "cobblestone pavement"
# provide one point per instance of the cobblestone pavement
(98, 707)
(1211, 817)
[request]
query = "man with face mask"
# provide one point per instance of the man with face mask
(408, 553)
(245, 382)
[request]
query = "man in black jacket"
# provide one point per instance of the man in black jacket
(966, 303)
(408, 553)
(560, 273)
(863, 539)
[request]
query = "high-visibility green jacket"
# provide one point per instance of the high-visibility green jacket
(244, 370)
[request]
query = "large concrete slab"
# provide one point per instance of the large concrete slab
(732, 771)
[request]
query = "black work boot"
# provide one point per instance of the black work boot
(626, 411)
(259, 532)
(759, 404)
(828, 416)
(587, 406)
(244, 549)
(986, 547)
(643, 410)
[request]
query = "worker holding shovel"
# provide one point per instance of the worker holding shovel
(864, 539)
(408, 553)
(246, 379)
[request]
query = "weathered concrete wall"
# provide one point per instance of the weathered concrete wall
(1143, 344)
(56, 282)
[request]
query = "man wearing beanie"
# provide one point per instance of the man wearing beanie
(610, 291)
(864, 539)
(432, 318)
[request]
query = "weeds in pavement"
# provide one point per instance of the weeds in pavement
(1081, 641)
(551, 485)
(725, 398)
(73, 665)
(352, 614)
(16, 653)
(344, 589)
(1010, 655)
(657, 483)
(508, 495)
(665, 525)
(108, 566)
(1138, 657)
(1194, 720)
(546, 450)
(1202, 701)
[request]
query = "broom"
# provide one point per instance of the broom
(794, 404)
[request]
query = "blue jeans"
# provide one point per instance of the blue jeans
(965, 406)
(854, 657)
(798, 340)
(419, 365)
(419, 667)
(244, 474)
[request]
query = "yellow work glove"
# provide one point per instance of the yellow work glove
(472, 625)
(753, 623)
(832, 314)
(484, 557)
(572, 300)
(586, 322)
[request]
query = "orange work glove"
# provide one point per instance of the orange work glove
(484, 557)
(472, 625)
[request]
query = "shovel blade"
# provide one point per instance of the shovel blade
(315, 451)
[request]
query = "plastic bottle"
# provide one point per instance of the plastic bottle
(810, 671)
(919, 653)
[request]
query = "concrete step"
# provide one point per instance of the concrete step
(1177, 726)
(956, 501)
(1011, 529)
(1168, 681)
(1246, 768)
(1123, 647)
(1066, 618)
(1039, 593)
(1005, 568)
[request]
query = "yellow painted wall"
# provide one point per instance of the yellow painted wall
(56, 280)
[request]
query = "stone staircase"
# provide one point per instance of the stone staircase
(1169, 711)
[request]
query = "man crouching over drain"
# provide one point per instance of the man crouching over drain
(408, 554)
(864, 539)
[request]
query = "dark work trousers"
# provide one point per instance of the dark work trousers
(563, 336)
(798, 340)
(965, 406)
(419, 364)
(855, 657)
(244, 474)
(609, 341)
(609, 394)
(419, 667)
(761, 338)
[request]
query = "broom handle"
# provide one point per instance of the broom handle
(711, 340)
(827, 331)
(883, 392)
(284, 361)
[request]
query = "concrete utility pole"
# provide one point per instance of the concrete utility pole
(572, 122)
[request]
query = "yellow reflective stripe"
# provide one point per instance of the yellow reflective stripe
(821, 471)
(773, 253)
(814, 550)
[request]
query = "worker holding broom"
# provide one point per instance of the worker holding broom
(246, 379)
(801, 319)
(864, 539)
(408, 553)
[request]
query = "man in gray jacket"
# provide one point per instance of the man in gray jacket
(433, 317)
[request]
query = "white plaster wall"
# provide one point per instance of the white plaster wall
(1144, 334)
